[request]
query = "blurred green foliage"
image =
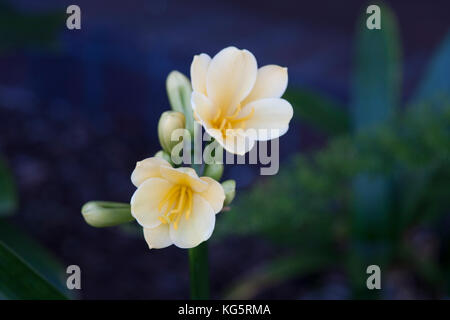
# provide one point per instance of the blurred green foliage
(383, 175)
(19, 280)
(413, 146)
(8, 195)
(309, 205)
(320, 111)
(27, 270)
(436, 83)
(24, 30)
(35, 256)
(375, 99)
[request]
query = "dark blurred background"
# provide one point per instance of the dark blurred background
(78, 108)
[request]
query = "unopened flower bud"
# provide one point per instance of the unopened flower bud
(106, 214)
(214, 171)
(168, 123)
(229, 187)
(179, 91)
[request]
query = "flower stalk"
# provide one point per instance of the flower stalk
(199, 272)
(198, 256)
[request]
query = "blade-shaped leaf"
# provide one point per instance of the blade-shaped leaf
(436, 84)
(377, 73)
(34, 254)
(18, 280)
(376, 91)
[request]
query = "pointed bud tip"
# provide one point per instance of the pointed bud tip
(179, 90)
(229, 188)
(168, 123)
(106, 214)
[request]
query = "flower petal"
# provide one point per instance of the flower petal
(145, 201)
(203, 108)
(206, 112)
(270, 119)
(184, 176)
(159, 237)
(215, 194)
(198, 228)
(271, 82)
(230, 78)
(199, 68)
(237, 141)
(147, 168)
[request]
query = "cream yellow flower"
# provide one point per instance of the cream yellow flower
(231, 96)
(174, 205)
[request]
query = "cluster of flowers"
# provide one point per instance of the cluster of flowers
(229, 95)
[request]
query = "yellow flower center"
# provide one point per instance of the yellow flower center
(223, 122)
(176, 202)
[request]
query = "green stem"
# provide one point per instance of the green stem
(199, 272)
(198, 256)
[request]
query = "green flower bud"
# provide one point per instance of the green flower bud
(106, 214)
(164, 155)
(214, 171)
(179, 91)
(229, 187)
(169, 121)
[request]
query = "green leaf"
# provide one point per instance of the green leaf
(376, 86)
(8, 194)
(34, 254)
(275, 272)
(18, 280)
(376, 92)
(435, 87)
(319, 110)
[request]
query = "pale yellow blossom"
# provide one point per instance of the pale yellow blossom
(174, 205)
(232, 97)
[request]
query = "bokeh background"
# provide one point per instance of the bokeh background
(364, 177)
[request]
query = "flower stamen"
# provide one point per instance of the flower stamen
(228, 122)
(178, 201)
(189, 210)
(167, 197)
